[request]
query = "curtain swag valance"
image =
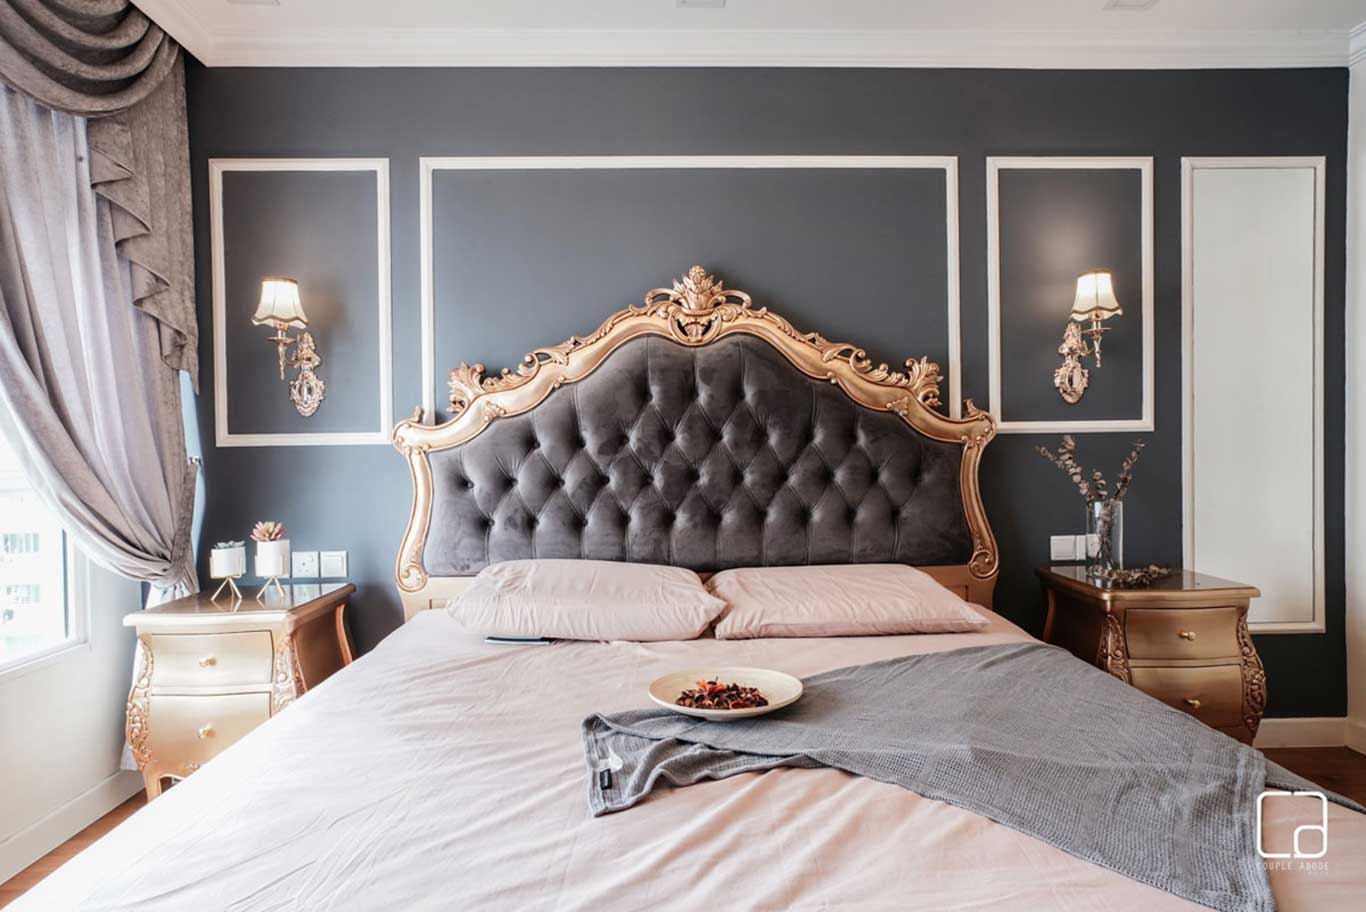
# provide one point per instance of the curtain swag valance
(105, 60)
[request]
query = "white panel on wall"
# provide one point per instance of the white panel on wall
(429, 166)
(223, 435)
(1253, 381)
(1005, 424)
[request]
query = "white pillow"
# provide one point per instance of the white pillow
(837, 600)
(586, 600)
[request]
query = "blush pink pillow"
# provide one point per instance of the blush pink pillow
(586, 600)
(837, 600)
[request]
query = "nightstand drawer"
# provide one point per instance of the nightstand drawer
(208, 659)
(1211, 693)
(193, 729)
(1168, 633)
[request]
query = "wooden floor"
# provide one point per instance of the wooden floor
(1336, 768)
(15, 887)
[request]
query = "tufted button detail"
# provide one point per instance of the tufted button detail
(757, 452)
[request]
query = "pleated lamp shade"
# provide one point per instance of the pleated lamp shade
(280, 303)
(1095, 299)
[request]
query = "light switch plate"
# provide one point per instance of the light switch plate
(1062, 547)
(303, 565)
(333, 564)
(1087, 545)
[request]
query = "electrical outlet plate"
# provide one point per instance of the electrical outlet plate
(303, 565)
(333, 564)
(1062, 547)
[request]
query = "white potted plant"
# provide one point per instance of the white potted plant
(228, 561)
(272, 553)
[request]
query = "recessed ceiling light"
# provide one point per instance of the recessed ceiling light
(700, 4)
(1132, 6)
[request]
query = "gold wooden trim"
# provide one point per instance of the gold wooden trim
(696, 311)
(137, 716)
(288, 681)
(1254, 677)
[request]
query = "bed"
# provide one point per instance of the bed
(439, 771)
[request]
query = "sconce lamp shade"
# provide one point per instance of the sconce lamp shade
(1095, 298)
(280, 303)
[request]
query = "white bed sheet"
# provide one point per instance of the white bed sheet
(438, 772)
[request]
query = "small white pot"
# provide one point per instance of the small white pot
(272, 558)
(227, 562)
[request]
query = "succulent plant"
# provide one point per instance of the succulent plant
(268, 531)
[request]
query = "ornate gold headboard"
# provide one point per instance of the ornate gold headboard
(696, 312)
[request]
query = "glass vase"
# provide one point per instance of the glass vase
(1104, 536)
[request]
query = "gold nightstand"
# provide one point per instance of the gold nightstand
(210, 671)
(1182, 639)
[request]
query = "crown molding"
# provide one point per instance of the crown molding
(178, 22)
(970, 48)
(1356, 45)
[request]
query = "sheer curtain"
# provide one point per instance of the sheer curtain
(85, 394)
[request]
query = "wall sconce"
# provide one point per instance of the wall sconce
(281, 309)
(1094, 303)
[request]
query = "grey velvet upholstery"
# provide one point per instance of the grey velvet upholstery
(720, 456)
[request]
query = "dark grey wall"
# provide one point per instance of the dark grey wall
(526, 257)
(357, 497)
(319, 228)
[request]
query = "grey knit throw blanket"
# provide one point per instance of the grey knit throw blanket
(1024, 734)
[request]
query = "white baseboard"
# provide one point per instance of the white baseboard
(1308, 732)
(33, 842)
(1356, 735)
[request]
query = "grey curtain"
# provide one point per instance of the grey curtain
(105, 60)
(87, 399)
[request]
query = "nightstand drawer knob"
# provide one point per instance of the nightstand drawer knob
(1192, 703)
(1187, 634)
(205, 731)
(210, 660)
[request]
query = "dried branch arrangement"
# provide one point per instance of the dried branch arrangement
(1137, 577)
(1093, 487)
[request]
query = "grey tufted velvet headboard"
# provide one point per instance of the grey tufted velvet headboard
(698, 431)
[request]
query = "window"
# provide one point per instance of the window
(34, 601)
(19, 543)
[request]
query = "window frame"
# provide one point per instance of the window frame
(76, 577)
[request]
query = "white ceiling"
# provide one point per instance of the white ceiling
(1032, 33)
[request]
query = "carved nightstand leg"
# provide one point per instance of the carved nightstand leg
(1254, 678)
(288, 682)
(138, 721)
(1052, 610)
(343, 640)
(1114, 652)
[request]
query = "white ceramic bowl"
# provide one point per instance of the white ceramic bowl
(779, 689)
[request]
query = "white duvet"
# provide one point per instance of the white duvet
(438, 772)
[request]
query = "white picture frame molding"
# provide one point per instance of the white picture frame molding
(430, 165)
(996, 164)
(1189, 165)
(223, 437)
